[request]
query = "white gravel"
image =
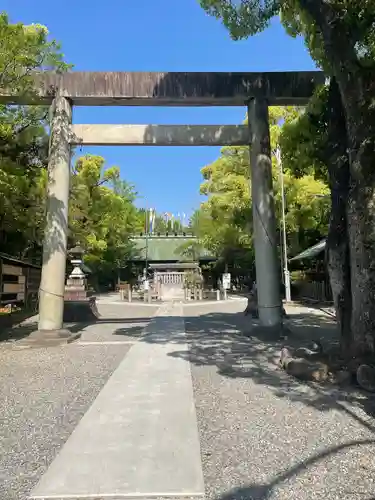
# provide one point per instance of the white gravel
(119, 322)
(43, 395)
(264, 435)
(45, 392)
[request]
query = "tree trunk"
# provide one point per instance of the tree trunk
(338, 256)
(357, 89)
(358, 97)
(361, 229)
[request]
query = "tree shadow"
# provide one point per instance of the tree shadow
(220, 339)
(254, 354)
(214, 340)
(228, 89)
(264, 491)
(131, 332)
(18, 328)
(18, 332)
(56, 228)
(232, 344)
(238, 348)
(229, 341)
(59, 157)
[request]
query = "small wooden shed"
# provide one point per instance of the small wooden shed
(19, 280)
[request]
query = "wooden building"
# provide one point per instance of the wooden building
(310, 278)
(19, 281)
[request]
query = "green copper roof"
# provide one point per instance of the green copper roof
(164, 248)
(311, 252)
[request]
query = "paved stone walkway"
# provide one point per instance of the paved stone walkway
(173, 292)
(140, 437)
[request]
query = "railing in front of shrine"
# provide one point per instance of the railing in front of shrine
(171, 278)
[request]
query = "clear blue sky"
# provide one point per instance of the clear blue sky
(157, 35)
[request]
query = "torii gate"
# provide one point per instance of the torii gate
(256, 91)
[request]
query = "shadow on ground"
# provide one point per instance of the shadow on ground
(264, 491)
(229, 342)
(17, 332)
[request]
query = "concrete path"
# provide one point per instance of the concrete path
(173, 292)
(139, 438)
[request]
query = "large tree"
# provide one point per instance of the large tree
(314, 145)
(224, 221)
(341, 38)
(102, 214)
(23, 137)
(102, 211)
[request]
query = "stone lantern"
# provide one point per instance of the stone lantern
(77, 305)
(75, 288)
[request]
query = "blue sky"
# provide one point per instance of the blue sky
(157, 35)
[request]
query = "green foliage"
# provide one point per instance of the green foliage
(102, 213)
(24, 49)
(102, 210)
(23, 138)
(243, 18)
(193, 279)
(303, 140)
(224, 222)
(336, 134)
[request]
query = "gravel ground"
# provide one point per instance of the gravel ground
(126, 311)
(264, 435)
(43, 395)
(118, 323)
(45, 392)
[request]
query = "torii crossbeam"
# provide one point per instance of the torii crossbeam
(256, 91)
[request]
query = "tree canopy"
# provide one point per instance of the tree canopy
(23, 137)
(102, 213)
(102, 210)
(224, 221)
(336, 132)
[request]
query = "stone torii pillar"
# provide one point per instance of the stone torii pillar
(266, 261)
(51, 292)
